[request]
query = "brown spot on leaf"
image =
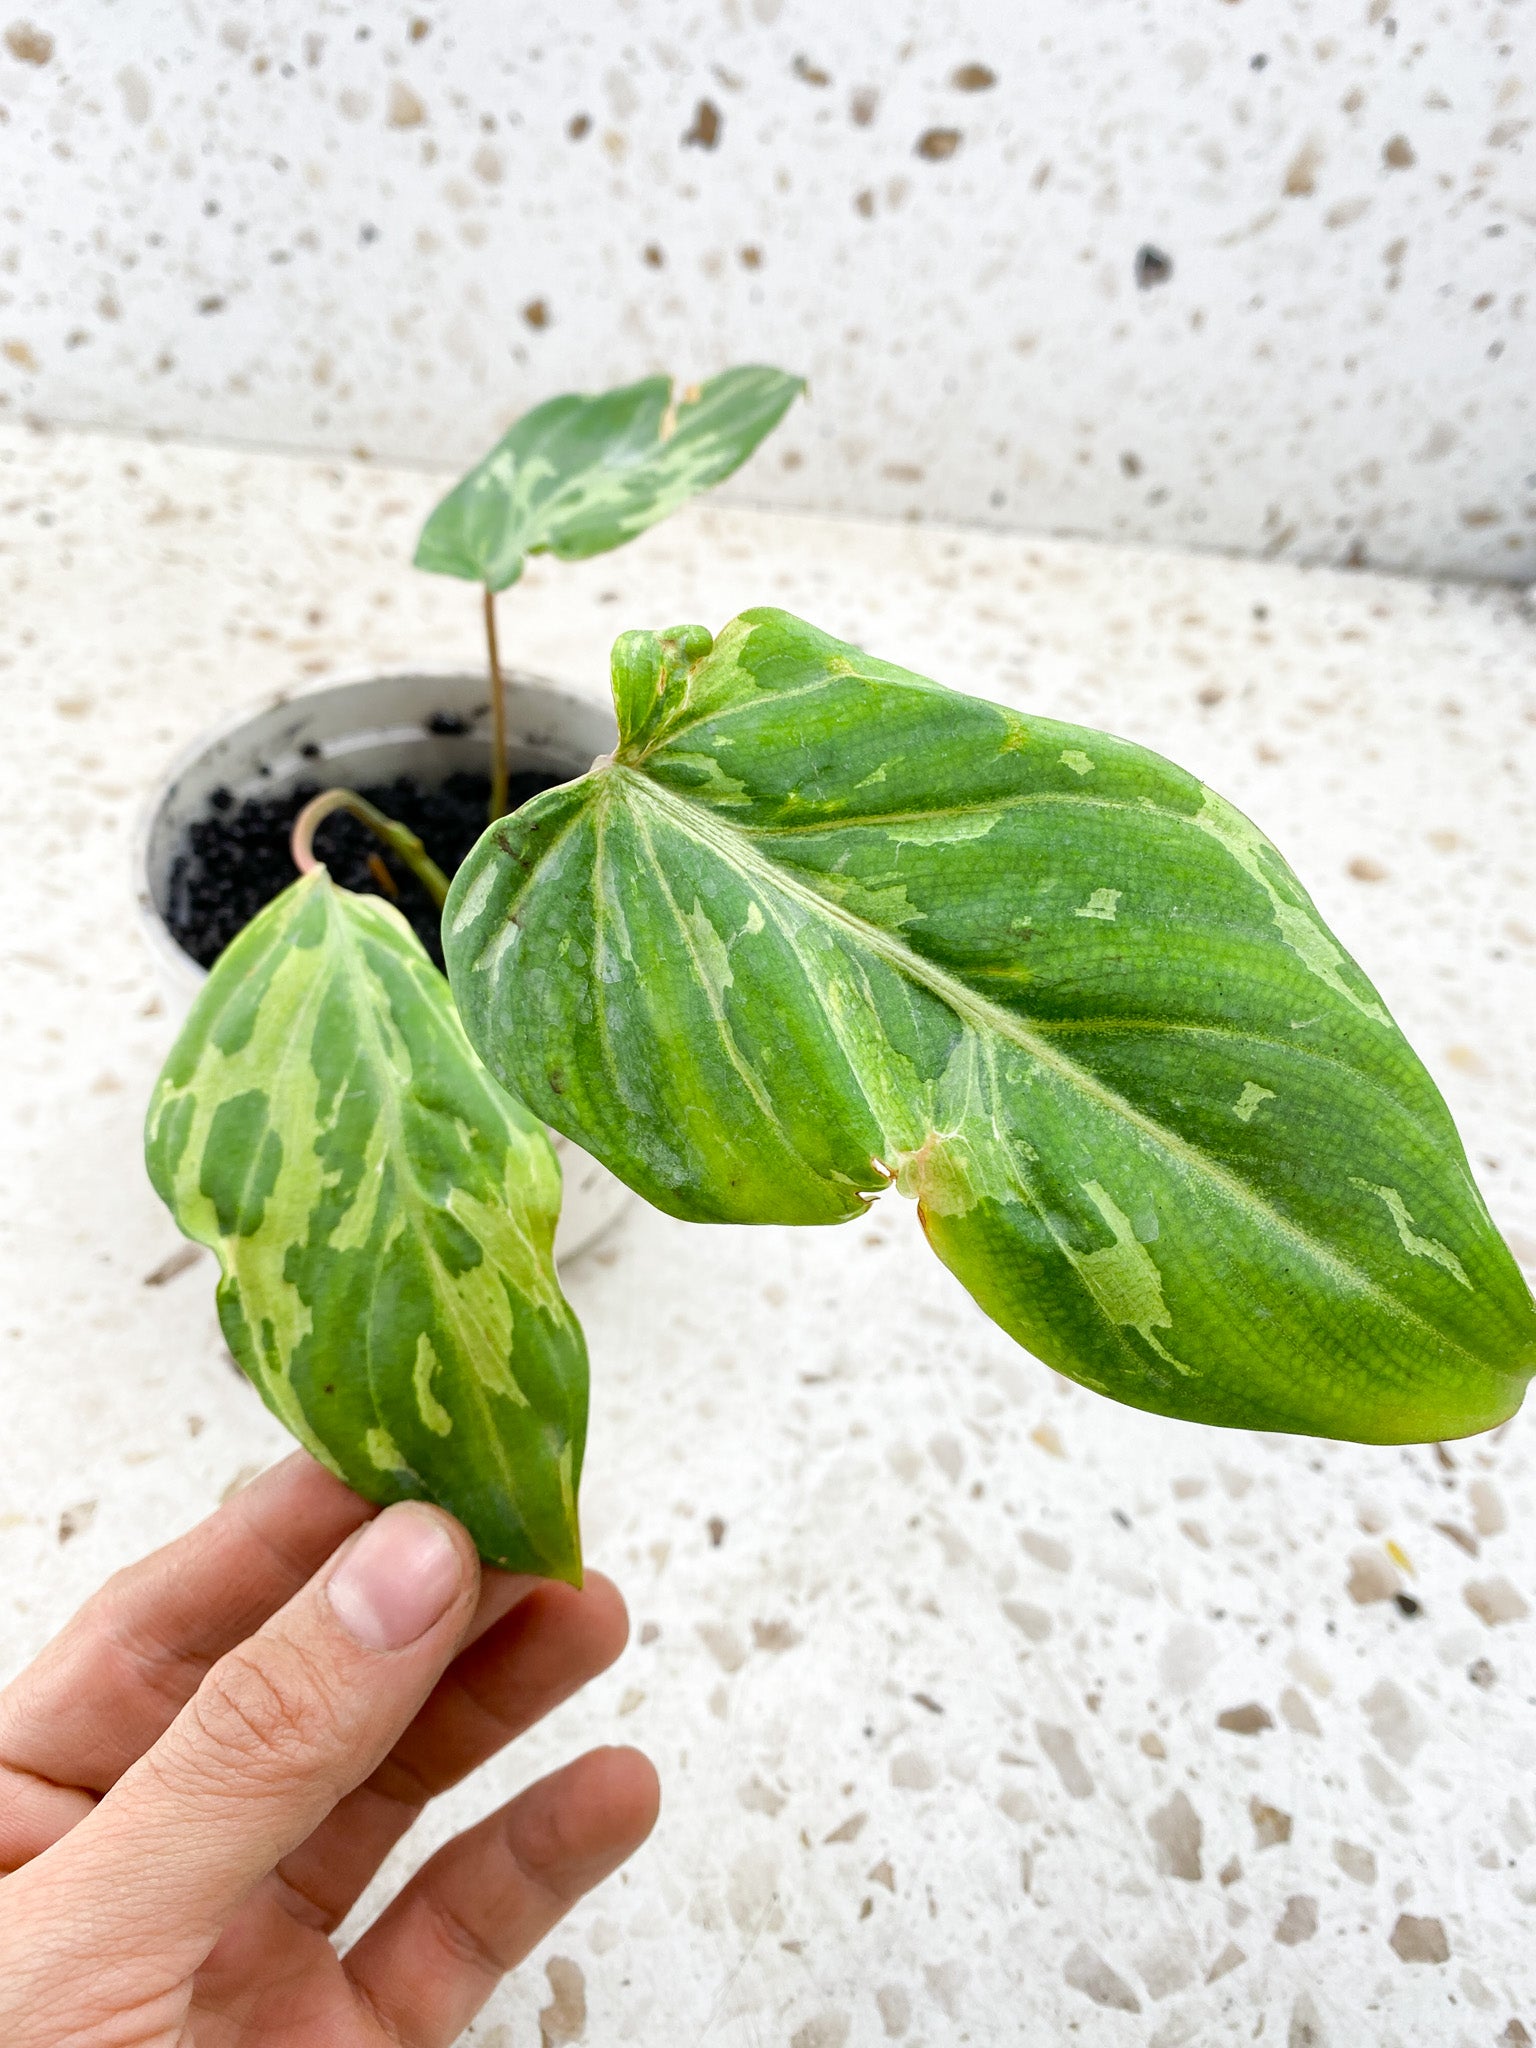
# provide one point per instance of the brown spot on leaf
(973, 78)
(578, 125)
(1398, 154)
(536, 313)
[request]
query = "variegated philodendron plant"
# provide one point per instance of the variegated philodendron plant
(820, 926)
(578, 476)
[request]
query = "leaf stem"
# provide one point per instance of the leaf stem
(498, 807)
(398, 838)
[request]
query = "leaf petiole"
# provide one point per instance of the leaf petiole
(398, 838)
(498, 806)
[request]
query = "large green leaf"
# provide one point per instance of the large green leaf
(579, 475)
(384, 1215)
(821, 923)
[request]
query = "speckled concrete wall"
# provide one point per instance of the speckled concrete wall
(1249, 276)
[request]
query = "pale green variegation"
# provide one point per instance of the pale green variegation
(383, 1216)
(821, 923)
(579, 475)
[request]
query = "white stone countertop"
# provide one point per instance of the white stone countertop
(986, 1711)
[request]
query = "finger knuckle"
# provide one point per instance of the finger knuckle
(470, 1947)
(256, 1711)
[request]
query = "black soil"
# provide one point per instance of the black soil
(237, 859)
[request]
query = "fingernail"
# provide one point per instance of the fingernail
(400, 1576)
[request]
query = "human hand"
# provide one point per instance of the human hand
(199, 1776)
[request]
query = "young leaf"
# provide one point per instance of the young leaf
(579, 475)
(383, 1216)
(822, 922)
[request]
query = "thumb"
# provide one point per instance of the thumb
(279, 1730)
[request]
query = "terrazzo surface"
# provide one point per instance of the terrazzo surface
(1250, 276)
(986, 1711)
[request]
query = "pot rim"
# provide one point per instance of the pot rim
(153, 929)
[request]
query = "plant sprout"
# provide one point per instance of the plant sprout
(578, 476)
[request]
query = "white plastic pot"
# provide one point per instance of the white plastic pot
(370, 732)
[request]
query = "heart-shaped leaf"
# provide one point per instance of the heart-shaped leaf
(384, 1217)
(579, 475)
(821, 923)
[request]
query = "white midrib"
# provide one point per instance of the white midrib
(697, 823)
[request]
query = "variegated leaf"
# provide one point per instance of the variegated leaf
(821, 923)
(383, 1215)
(579, 475)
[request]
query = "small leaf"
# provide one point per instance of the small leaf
(579, 475)
(821, 923)
(383, 1216)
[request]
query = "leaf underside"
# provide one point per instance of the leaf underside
(822, 923)
(383, 1215)
(579, 475)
